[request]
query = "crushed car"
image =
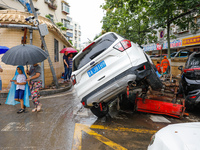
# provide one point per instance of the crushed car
(105, 68)
(190, 81)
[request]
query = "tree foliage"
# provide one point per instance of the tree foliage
(137, 19)
(128, 20)
(180, 13)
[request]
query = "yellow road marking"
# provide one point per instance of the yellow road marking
(77, 142)
(123, 129)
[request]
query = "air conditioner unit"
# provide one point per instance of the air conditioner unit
(174, 30)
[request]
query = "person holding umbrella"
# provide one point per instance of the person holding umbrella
(66, 65)
(35, 79)
(27, 55)
(69, 52)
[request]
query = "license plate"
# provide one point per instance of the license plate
(96, 68)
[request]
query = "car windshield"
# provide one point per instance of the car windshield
(173, 54)
(194, 61)
(182, 54)
(96, 49)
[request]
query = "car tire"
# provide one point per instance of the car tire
(153, 80)
(97, 111)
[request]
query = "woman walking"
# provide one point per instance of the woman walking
(35, 79)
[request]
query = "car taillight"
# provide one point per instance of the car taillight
(73, 79)
(83, 103)
(123, 45)
(191, 97)
(88, 47)
(190, 70)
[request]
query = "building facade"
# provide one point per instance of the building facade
(185, 40)
(55, 40)
(76, 40)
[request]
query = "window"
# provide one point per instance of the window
(94, 50)
(182, 54)
(64, 46)
(65, 8)
(65, 22)
(194, 61)
(56, 52)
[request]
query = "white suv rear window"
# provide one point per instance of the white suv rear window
(96, 49)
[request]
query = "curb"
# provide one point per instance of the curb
(46, 91)
(54, 91)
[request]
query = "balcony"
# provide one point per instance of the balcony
(65, 8)
(65, 1)
(52, 6)
(69, 34)
(68, 18)
(69, 27)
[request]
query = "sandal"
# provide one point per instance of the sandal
(34, 110)
(39, 107)
(21, 111)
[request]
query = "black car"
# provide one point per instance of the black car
(190, 80)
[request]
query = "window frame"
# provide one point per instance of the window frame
(56, 50)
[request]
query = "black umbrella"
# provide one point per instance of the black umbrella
(24, 55)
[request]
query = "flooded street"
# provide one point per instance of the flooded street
(64, 124)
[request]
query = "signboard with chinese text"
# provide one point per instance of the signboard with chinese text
(191, 41)
(173, 44)
(150, 47)
(159, 47)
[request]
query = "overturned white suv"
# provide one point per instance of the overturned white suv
(106, 67)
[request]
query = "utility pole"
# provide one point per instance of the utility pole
(44, 45)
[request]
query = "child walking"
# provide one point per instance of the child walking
(19, 91)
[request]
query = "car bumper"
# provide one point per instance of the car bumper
(193, 97)
(117, 85)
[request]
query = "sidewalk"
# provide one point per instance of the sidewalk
(50, 90)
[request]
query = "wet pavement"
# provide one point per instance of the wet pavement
(63, 124)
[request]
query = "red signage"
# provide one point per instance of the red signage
(158, 47)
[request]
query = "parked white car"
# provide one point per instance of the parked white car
(104, 69)
(182, 136)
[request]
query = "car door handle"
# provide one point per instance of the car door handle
(101, 78)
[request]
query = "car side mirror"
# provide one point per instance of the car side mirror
(180, 68)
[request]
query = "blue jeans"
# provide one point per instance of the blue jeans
(69, 73)
(66, 72)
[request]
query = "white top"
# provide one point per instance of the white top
(1, 68)
(20, 79)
